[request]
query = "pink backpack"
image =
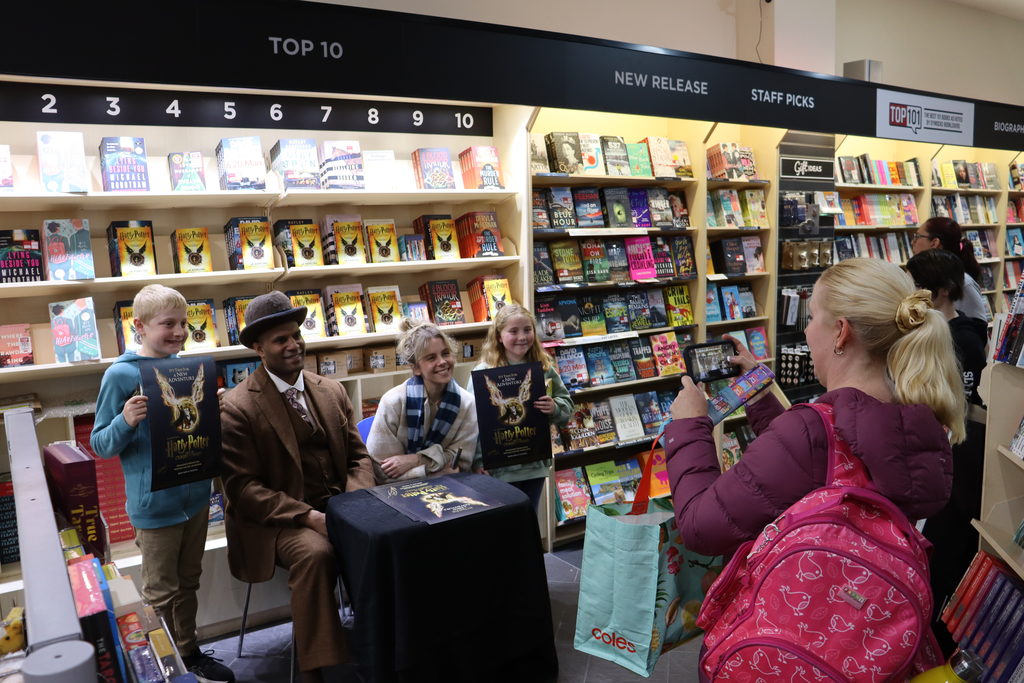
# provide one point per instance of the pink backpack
(835, 589)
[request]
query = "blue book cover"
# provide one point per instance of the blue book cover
(587, 202)
(616, 313)
(75, 335)
(650, 411)
(599, 365)
(712, 310)
(433, 500)
(572, 367)
(123, 164)
(639, 207)
(737, 391)
(68, 249)
(731, 302)
(622, 361)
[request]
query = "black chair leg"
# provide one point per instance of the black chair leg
(245, 616)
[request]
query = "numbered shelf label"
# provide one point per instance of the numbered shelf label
(41, 103)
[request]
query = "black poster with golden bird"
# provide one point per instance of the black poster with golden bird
(512, 430)
(184, 419)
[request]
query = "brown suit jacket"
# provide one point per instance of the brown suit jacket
(262, 469)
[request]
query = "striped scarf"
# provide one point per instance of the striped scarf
(447, 411)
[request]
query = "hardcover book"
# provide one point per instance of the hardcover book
(572, 367)
(75, 335)
(616, 157)
(604, 483)
(342, 238)
(666, 354)
(444, 245)
(599, 365)
(543, 269)
(616, 208)
(639, 160)
(618, 260)
(184, 419)
(628, 425)
(650, 411)
(443, 301)
(248, 243)
(622, 361)
(382, 240)
(15, 345)
(201, 325)
(604, 425)
(479, 235)
(569, 311)
(128, 338)
(71, 479)
(240, 164)
(678, 306)
(561, 210)
(190, 249)
(592, 313)
(616, 313)
(680, 212)
(661, 251)
(130, 244)
(590, 154)
(342, 165)
(297, 162)
(62, 161)
(643, 357)
(663, 161)
(186, 171)
(639, 309)
(549, 321)
(595, 260)
(656, 305)
(564, 152)
(587, 203)
(433, 500)
(538, 154)
(68, 249)
(21, 259)
(385, 304)
(299, 239)
(123, 164)
(314, 326)
(640, 210)
(641, 259)
(487, 294)
(433, 168)
(567, 261)
(348, 317)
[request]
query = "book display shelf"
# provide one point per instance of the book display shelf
(708, 232)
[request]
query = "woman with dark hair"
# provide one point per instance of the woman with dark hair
(939, 232)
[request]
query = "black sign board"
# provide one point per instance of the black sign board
(807, 168)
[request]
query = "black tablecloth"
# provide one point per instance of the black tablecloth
(465, 600)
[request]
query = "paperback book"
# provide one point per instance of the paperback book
(201, 325)
(543, 269)
(616, 313)
(487, 294)
(616, 157)
(479, 235)
(190, 249)
(564, 154)
(595, 260)
(74, 331)
(128, 338)
(68, 249)
(666, 354)
(572, 317)
(599, 365)
(124, 166)
(604, 425)
(341, 167)
(604, 483)
(21, 258)
(678, 306)
(587, 203)
(628, 425)
(561, 210)
(567, 261)
(240, 164)
(622, 361)
(572, 367)
(616, 208)
(573, 495)
(15, 345)
(618, 260)
(62, 161)
(641, 258)
(639, 160)
(643, 357)
(580, 430)
(591, 311)
(639, 309)
(590, 154)
(549, 322)
(186, 171)
(650, 411)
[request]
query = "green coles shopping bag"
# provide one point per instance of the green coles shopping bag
(640, 589)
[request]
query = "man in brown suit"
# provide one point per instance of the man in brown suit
(290, 443)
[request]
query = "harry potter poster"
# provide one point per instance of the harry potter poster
(512, 431)
(184, 419)
(433, 500)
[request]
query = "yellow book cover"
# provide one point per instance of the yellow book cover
(313, 326)
(948, 174)
(131, 339)
(257, 253)
(348, 312)
(134, 247)
(191, 250)
(666, 354)
(202, 330)
(382, 238)
(678, 306)
(848, 214)
(498, 294)
(348, 238)
(306, 247)
(442, 235)
(385, 308)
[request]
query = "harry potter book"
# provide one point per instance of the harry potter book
(248, 243)
(549, 321)
(124, 166)
(595, 260)
(68, 249)
(561, 210)
(678, 306)
(666, 354)
(618, 260)
(616, 313)
(569, 311)
(433, 500)
(599, 365)
(423, 225)
(130, 244)
(186, 171)
(487, 294)
(385, 304)
(567, 261)
(622, 361)
(616, 158)
(184, 419)
(640, 210)
(481, 169)
(543, 269)
(587, 204)
(314, 326)
(71, 479)
(190, 249)
(21, 259)
(15, 345)
(444, 245)
(572, 367)
(433, 168)
(240, 164)
(382, 240)
(564, 154)
(297, 163)
(512, 430)
(639, 160)
(479, 234)
(615, 207)
(73, 326)
(342, 238)
(628, 425)
(234, 316)
(443, 301)
(347, 308)
(299, 239)
(62, 161)
(128, 338)
(643, 357)
(592, 314)
(641, 259)
(201, 325)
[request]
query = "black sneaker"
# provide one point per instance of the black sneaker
(207, 669)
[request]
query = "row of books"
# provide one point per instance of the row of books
(863, 170)
(613, 259)
(611, 481)
(589, 154)
(737, 209)
(806, 254)
(731, 161)
(894, 247)
(985, 615)
(878, 209)
(1012, 273)
(618, 419)
(965, 209)
(623, 360)
(729, 302)
(1010, 340)
(965, 174)
(737, 256)
(568, 208)
(567, 315)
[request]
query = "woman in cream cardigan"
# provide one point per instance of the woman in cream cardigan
(426, 425)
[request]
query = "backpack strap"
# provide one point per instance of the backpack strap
(844, 468)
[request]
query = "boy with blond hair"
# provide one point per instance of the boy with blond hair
(170, 525)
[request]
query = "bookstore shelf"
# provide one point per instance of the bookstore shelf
(570, 532)
(738, 184)
(1011, 456)
(989, 260)
(725, 232)
(737, 321)
(95, 201)
(600, 388)
(565, 180)
(369, 198)
(721, 277)
(1002, 543)
(873, 228)
(611, 445)
(132, 283)
(1012, 225)
(1016, 193)
(399, 267)
(856, 187)
(601, 338)
(557, 233)
(965, 190)
(989, 291)
(632, 284)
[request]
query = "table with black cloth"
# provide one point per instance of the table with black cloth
(464, 600)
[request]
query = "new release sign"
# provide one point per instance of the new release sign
(905, 116)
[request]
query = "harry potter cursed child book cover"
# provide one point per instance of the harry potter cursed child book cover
(433, 500)
(184, 419)
(512, 431)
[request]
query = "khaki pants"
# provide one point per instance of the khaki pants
(172, 561)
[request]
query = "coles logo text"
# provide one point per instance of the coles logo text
(613, 639)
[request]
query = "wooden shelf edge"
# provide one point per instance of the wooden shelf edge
(726, 323)
(1011, 456)
(879, 188)
(1003, 544)
(586, 391)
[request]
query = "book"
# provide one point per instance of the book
(71, 480)
(341, 166)
(538, 154)
(661, 155)
(348, 316)
(616, 313)
(639, 160)
(433, 168)
(587, 204)
(629, 474)
(592, 315)
(666, 354)
(712, 307)
(549, 321)
(727, 255)
(643, 358)
(444, 301)
(15, 345)
(487, 294)
(385, 304)
(682, 255)
(62, 161)
(130, 246)
(604, 425)
(639, 309)
(564, 153)
(616, 157)
(412, 248)
(680, 212)
(6, 169)
(540, 218)
(561, 210)
(604, 483)
(315, 324)
(678, 306)
(661, 252)
(569, 312)
(200, 325)
(479, 235)
(737, 391)
(748, 305)
(590, 154)
(572, 367)
(68, 249)
(481, 169)
(73, 326)
(567, 261)
(679, 156)
(186, 171)
(443, 245)
(580, 430)
(240, 164)
(594, 260)
(416, 311)
(641, 259)
(656, 306)
(730, 451)
(341, 237)
(640, 210)
(382, 173)
(94, 619)
(296, 161)
(757, 343)
(234, 316)
(615, 207)
(299, 239)
(628, 425)
(190, 251)
(543, 269)
(572, 493)
(753, 254)
(649, 408)
(123, 164)
(660, 207)
(599, 365)
(622, 361)
(618, 260)
(659, 472)
(512, 430)
(731, 302)
(248, 243)
(382, 240)
(21, 258)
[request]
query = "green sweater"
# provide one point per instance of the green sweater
(563, 411)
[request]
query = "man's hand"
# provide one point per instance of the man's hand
(397, 465)
(317, 521)
(134, 410)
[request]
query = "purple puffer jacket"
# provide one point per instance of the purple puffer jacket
(904, 447)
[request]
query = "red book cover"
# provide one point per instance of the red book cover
(961, 588)
(71, 476)
(434, 168)
(481, 169)
(479, 234)
(109, 485)
(973, 596)
(974, 603)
